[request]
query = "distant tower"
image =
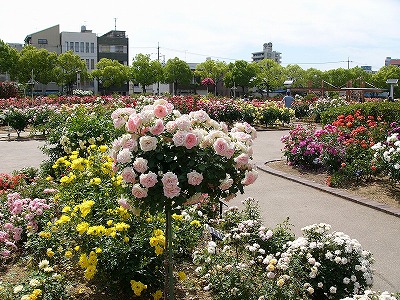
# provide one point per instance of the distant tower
(267, 53)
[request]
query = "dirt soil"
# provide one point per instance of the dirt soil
(380, 190)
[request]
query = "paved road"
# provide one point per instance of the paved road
(279, 198)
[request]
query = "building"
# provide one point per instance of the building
(267, 53)
(368, 69)
(48, 39)
(392, 61)
(84, 44)
(114, 45)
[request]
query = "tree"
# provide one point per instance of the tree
(240, 73)
(68, 66)
(313, 77)
(177, 72)
(385, 73)
(8, 59)
(338, 77)
(110, 72)
(269, 75)
(37, 62)
(145, 71)
(297, 74)
(211, 69)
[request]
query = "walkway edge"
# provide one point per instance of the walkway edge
(337, 192)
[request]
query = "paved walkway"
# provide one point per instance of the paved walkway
(280, 197)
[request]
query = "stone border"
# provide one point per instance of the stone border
(337, 192)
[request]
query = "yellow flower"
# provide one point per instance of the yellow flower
(137, 287)
(103, 148)
(63, 219)
(195, 223)
(159, 250)
(77, 248)
(177, 217)
(50, 252)
(68, 254)
(158, 232)
(182, 275)
(85, 207)
(121, 226)
(157, 295)
(90, 271)
(45, 234)
(66, 209)
(95, 181)
(109, 222)
(270, 267)
(126, 239)
(280, 282)
(83, 261)
(82, 227)
(49, 178)
(99, 250)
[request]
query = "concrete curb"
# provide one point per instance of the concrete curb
(337, 192)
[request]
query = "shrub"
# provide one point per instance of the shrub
(8, 89)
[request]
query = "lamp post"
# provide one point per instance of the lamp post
(78, 79)
(31, 82)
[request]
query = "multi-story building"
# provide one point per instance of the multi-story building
(84, 44)
(114, 45)
(267, 53)
(48, 39)
(392, 61)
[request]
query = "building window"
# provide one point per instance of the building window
(71, 46)
(42, 41)
(66, 47)
(76, 47)
(91, 47)
(87, 63)
(87, 47)
(104, 48)
(82, 47)
(92, 63)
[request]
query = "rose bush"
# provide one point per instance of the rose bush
(166, 158)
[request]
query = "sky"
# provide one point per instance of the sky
(321, 34)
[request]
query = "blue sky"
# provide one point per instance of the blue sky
(323, 34)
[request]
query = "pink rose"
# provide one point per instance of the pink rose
(158, 127)
(130, 144)
(128, 175)
(124, 156)
(179, 138)
(148, 143)
(171, 126)
(190, 140)
(250, 177)
(242, 160)
(160, 111)
(133, 123)
(226, 183)
(138, 191)
(171, 192)
(140, 164)
(194, 178)
(220, 146)
(170, 180)
(124, 203)
(148, 180)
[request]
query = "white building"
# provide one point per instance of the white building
(267, 53)
(84, 44)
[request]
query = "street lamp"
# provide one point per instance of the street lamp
(78, 79)
(393, 83)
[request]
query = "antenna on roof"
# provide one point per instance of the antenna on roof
(115, 24)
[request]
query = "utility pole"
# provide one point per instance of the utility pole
(115, 24)
(158, 58)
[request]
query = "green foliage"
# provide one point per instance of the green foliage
(145, 71)
(178, 72)
(77, 128)
(385, 111)
(16, 118)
